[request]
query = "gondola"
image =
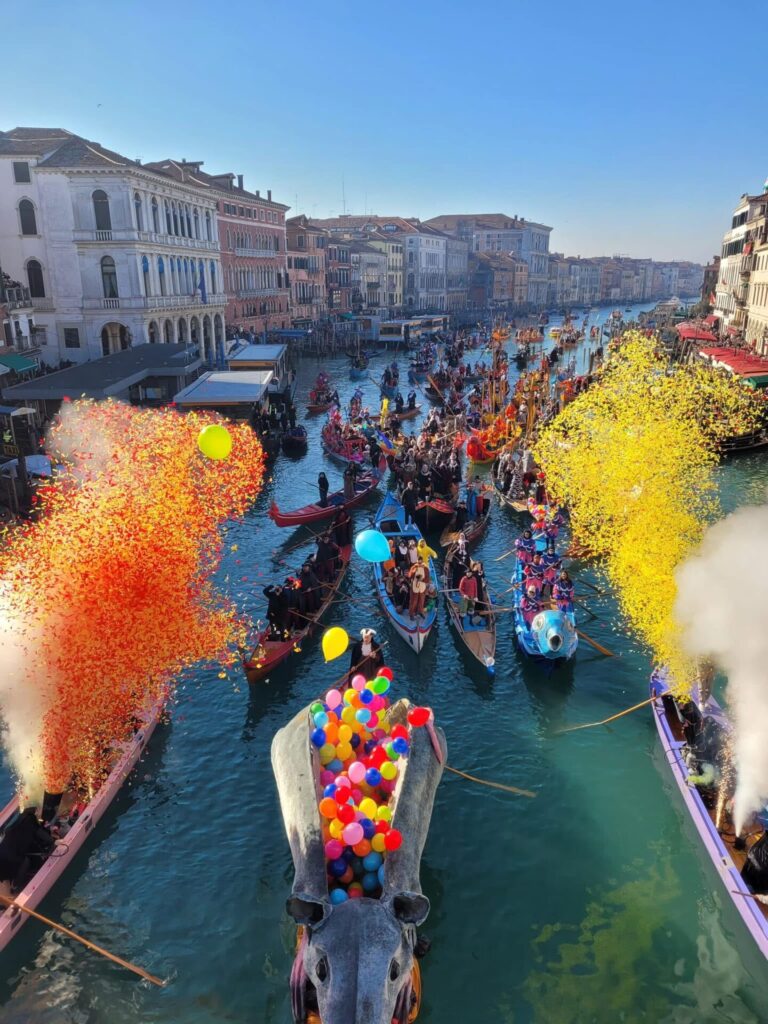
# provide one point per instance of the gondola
(551, 634)
(270, 442)
(473, 530)
(358, 373)
(267, 654)
(391, 521)
(434, 515)
(407, 413)
(84, 818)
(317, 407)
(365, 485)
(719, 843)
(477, 631)
(294, 441)
(743, 444)
(516, 504)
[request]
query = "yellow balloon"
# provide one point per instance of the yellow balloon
(335, 642)
(215, 441)
(345, 733)
(377, 843)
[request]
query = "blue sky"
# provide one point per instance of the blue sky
(622, 125)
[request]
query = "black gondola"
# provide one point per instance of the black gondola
(294, 441)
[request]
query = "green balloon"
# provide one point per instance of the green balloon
(317, 706)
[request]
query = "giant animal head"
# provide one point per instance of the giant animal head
(355, 960)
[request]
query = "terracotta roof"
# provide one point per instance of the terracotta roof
(31, 141)
(190, 173)
(77, 152)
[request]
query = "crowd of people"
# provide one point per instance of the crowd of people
(407, 578)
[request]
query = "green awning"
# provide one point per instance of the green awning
(18, 363)
(757, 380)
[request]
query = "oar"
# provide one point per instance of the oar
(502, 557)
(493, 785)
(591, 586)
(605, 721)
(595, 644)
(85, 942)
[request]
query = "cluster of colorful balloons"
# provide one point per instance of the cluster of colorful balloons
(359, 753)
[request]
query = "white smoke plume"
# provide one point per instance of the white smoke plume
(22, 704)
(722, 606)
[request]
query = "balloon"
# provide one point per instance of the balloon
(362, 849)
(215, 441)
(419, 716)
(345, 733)
(327, 753)
(380, 685)
(330, 789)
(370, 881)
(393, 840)
(355, 891)
(317, 706)
(399, 732)
(333, 849)
(366, 696)
(378, 844)
(380, 874)
(388, 770)
(384, 813)
(353, 833)
(328, 807)
(373, 861)
(368, 807)
(372, 546)
(337, 867)
(333, 698)
(382, 827)
(343, 751)
(358, 682)
(317, 737)
(373, 776)
(357, 771)
(400, 746)
(387, 673)
(335, 642)
(369, 829)
(349, 696)
(346, 815)
(338, 896)
(321, 719)
(336, 828)
(362, 715)
(342, 782)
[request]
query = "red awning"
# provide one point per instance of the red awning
(733, 330)
(711, 319)
(745, 364)
(688, 331)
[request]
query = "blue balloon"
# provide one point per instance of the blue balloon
(318, 737)
(369, 829)
(355, 741)
(380, 873)
(373, 861)
(370, 881)
(337, 867)
(330, 789)
(338, 896)
(335, 765)
(366, 696)
(400, 746)
(357, 866)
(372, 546)
(321, 719)
(373, 776)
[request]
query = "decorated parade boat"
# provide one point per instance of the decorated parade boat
(365, 485)
(703, 721)
(550, 634)
(477, 630)
(391, 521)
(73, 818)
(356, 896)
(271, 649)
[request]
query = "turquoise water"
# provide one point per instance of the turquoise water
(590, 903)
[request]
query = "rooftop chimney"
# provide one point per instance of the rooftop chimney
(269, 195)
(258, 194)
(239, 181)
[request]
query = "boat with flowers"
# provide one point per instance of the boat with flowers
(365, 485)
(272, 647)
(392, 521)
(69, 821)
(342, 442)
(694, 737)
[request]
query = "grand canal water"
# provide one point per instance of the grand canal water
(590, 903)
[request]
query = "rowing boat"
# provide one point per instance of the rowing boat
(66, 849)
(718, 843)
(391, 521)
(295, 441)
(268, 654)
(516, 504)
(314, 512)
(479, 636)
(316, 407)
(407, 413)
(551, 634)
(433, 515)
(472, 530)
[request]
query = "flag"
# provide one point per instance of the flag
(201, 286)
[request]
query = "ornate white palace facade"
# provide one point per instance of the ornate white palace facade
(114, 253)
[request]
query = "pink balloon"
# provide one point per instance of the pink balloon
(353, 833)
(388, 785)
(333, 699)
(356, 772)
(358, 682)
(377, 703)
(342, 782)
(333, 849)
(357, 796)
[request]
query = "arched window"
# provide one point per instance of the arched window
(27, 217)
(137, 208)
(168, 224)
(109, 278)
(189, 222)
(146, 275)
(35, 279)
(197, 224)
(101, 210)
(213, 278)
(208, 226)
(155, 216)
(161, 274)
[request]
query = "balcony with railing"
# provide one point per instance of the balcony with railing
(153, 302)
(747, 265)
(18, 298)
(257, 252)
(42, 304)
(152, 237)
